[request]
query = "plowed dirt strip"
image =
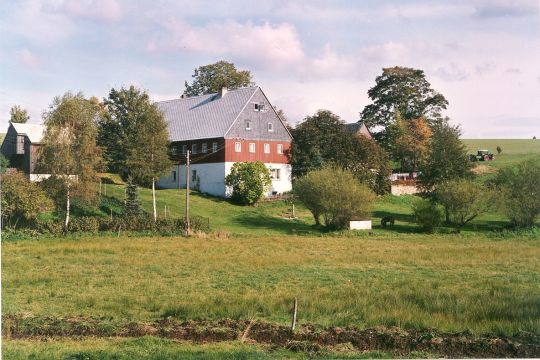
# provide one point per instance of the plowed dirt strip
(307, 338)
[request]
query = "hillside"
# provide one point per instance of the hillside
(513, 150)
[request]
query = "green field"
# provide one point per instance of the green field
(257, 260)
(513, 150)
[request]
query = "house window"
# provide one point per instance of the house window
(214, 147)
(270, 127)
(174, 175)
(204, 148)
(248, 124)
(194, 149)
(275, 174)
(258, 107)
(184, 149)
(267, 148)
(280, 148)
(238, 147)
(174, 150)
(193, 175)
(251, 147)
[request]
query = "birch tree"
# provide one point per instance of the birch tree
(148, 157)
(69, 151)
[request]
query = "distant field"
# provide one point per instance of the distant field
(513, 150)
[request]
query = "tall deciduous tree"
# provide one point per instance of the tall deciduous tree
(403, 90)
(411, 144)
(148, 158)
(447, 159)
(323, 140)
(211, 78)
(69, 151)
(134, 135)
(18, 114)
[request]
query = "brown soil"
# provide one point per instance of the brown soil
(307, 338)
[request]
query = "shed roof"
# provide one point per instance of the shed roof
(34, 132)
(204, 116)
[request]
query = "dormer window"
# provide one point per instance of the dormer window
(248, 124)
(258, 107)
(270, 127)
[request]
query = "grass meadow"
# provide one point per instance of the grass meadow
(257, 260)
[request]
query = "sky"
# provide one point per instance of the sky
(483, 56)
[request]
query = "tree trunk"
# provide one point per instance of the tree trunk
(154, 198)
(67, 207)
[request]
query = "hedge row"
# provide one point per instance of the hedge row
(94, 224)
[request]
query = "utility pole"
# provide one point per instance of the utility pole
(187, 194)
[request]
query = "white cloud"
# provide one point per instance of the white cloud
(108, 10)
(266, 45)
(28, 59)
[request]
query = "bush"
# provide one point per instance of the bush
(84, 224)
(427, 214)
(336, 195)
(519, 187)
(249, 182)
(22, 200)
(463, 200)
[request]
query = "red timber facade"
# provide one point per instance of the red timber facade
(221, 129)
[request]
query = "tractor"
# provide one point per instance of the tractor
(482, 155)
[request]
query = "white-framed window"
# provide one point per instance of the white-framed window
(238, 146)
(248, 124)
(184, 149)
(251, 147)
(267, 148)
(270, 127)
(193, 175)
(204, 148)
(214, 147)
(280, 148)
(258, 107)
(194, 149)
(275, 174)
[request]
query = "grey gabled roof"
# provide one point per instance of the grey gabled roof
(205, 116)
(33, 131)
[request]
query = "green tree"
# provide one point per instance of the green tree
(403, 90)
(463, 200)
(132, 206)
(22, 200)
(322, 140)
(249, 181)
(18, 115)
(117, 126)
(335, 195)
(4, 164)
(211, 78)
(148, 159)
(69, 151)
(519, 190)
(427, 214)
(447, 158)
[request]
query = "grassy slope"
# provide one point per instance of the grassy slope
(444, 281)
(513, 150)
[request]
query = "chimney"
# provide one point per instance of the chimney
(222, 92)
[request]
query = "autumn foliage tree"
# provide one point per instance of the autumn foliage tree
(69, 151)
(412, 142)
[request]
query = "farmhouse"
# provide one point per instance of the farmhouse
(221, 129)
(20, 147)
